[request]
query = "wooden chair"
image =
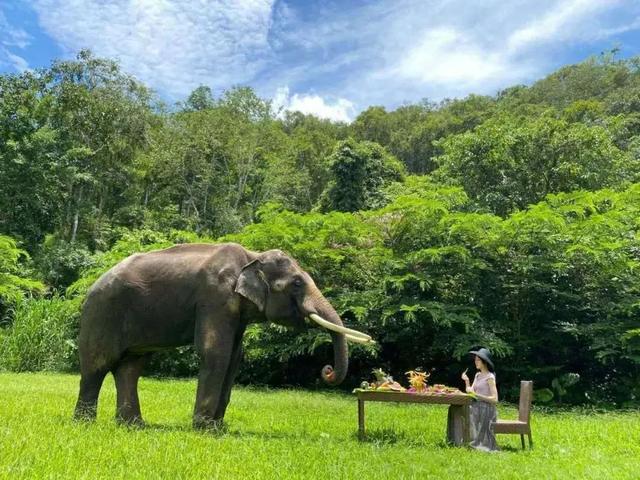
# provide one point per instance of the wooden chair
(521, 426)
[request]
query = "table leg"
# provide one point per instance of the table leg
(466, 432)
(360, 419)
(455, 425)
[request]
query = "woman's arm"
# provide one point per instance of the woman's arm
(469, 389)
(493, 398)
(466, 381)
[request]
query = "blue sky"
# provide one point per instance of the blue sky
(327, 57)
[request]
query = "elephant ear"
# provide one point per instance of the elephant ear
(252, 284)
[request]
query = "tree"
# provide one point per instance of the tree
(103, 117)
(207, 169)
(597, 77)
(360, 171)
(374, 125)
(299, 175)
(200, 99)
(411, 131)
(32, 192)
(506, 164)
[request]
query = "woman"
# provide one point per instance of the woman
(483, 412)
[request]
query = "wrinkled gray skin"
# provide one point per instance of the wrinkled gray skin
(197, 294)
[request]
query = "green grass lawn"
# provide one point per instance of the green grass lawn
(287, 434)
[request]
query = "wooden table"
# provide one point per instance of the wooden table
(458, 409)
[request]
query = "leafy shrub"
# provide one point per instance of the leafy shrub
(552, 290)
(14, 281)
(42, 337)
(175, 362)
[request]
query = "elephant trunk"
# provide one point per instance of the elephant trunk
(316, 304)
(336, 375)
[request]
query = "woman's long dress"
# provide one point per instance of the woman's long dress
(483, 414)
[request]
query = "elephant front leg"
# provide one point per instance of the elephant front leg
(230, 378)
(214, 343)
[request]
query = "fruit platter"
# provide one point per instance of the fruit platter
(382, 383)
(418, 385)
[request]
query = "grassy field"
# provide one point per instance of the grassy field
(287, 434)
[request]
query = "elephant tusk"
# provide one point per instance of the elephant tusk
(353, 339)
(337, 328)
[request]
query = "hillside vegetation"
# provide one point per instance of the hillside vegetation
(509, 221)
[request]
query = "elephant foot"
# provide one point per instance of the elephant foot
(83, 418)
(213, 425)
(85, 412)
(133, 421)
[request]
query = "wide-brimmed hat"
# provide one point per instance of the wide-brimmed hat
(484, 354)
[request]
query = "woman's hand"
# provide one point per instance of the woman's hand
(464, 377)
(469, 390)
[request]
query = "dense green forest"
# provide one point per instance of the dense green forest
(509, 221)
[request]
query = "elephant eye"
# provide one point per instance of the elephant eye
(297, 282)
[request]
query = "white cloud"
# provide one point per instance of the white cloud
(16, 37)
(448, 48)
(11, 38)
(16, 61)
(172, 45)
(608, 32)
(565, 21)
(444, 55)
(339, 109)
(339, 57)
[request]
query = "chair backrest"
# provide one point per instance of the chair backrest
(526, 395)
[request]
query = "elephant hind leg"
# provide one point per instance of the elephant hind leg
(126, 374)
(90, 384)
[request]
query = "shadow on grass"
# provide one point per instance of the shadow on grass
(381, 437)
(388, 436)
(228, 432)
(512, 449)
(161, 427)
(223, 432)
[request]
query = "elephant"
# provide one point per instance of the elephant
(199, 294)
